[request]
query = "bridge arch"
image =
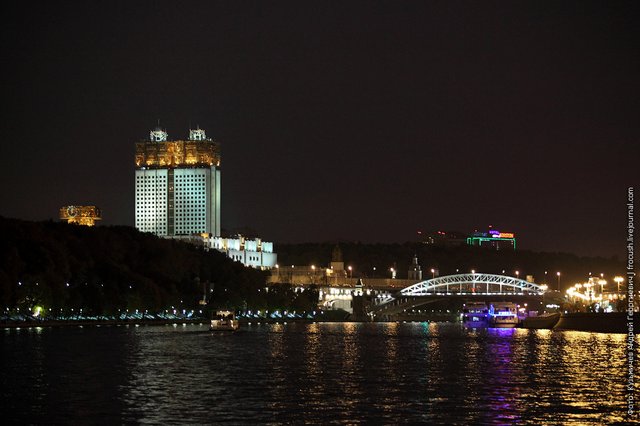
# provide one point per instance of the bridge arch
(474, 283)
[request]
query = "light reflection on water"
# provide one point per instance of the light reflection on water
(314, 373)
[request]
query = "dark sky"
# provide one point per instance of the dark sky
(338, 119)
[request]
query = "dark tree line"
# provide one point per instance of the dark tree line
(106, 269)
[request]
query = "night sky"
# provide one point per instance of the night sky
(338, 119)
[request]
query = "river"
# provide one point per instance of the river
(316, 373)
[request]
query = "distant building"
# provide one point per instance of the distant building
(81, 215)
(443, 238)
(337, 264)
(415, 271)
(254, 253)
(493, 239)
(177, 185)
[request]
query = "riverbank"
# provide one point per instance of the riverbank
(89, 322)
(591, 322)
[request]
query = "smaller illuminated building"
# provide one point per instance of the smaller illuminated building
(493, 239)
(415, 271)
(253, 253)
(81, 215)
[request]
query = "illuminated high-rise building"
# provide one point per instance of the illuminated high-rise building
(177, 185)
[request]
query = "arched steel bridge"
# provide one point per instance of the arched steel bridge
(474, 284)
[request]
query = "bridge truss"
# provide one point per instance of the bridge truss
(466, 285)
(475, 283)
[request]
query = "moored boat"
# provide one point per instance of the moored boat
(475, 314)
(503, 315)
(224, 320)
(547, 321)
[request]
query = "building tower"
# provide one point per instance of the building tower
(177, 185)
(415, 271)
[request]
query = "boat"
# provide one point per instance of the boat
(547, 321)
(224, 320)
(475, 314)
(503, 315)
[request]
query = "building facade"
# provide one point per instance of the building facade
(493, 239)
(80, 215)
(415, 270)
(254, 253)
(177, 185)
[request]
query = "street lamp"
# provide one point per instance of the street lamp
(558, 274)
(618, 280)
(588, 291)
(433, 273)
(518, 274)
(350, 270)
(602, 283)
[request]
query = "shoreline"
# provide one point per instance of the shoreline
(82, 323)
(588, 322)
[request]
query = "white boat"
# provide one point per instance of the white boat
(475, 314)
(224, 320)
(503, 314)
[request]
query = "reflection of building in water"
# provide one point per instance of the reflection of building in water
(80, 215)
(177, 185)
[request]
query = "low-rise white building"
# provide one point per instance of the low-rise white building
(254, 253)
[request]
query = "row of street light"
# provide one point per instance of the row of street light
(393, 272)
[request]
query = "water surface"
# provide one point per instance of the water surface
(313, 373)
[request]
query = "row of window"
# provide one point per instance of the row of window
(146, 209)
(192, 199)
(179, 216)
(198, 177)
(161, 196)
(249, 259)
(179, 223)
